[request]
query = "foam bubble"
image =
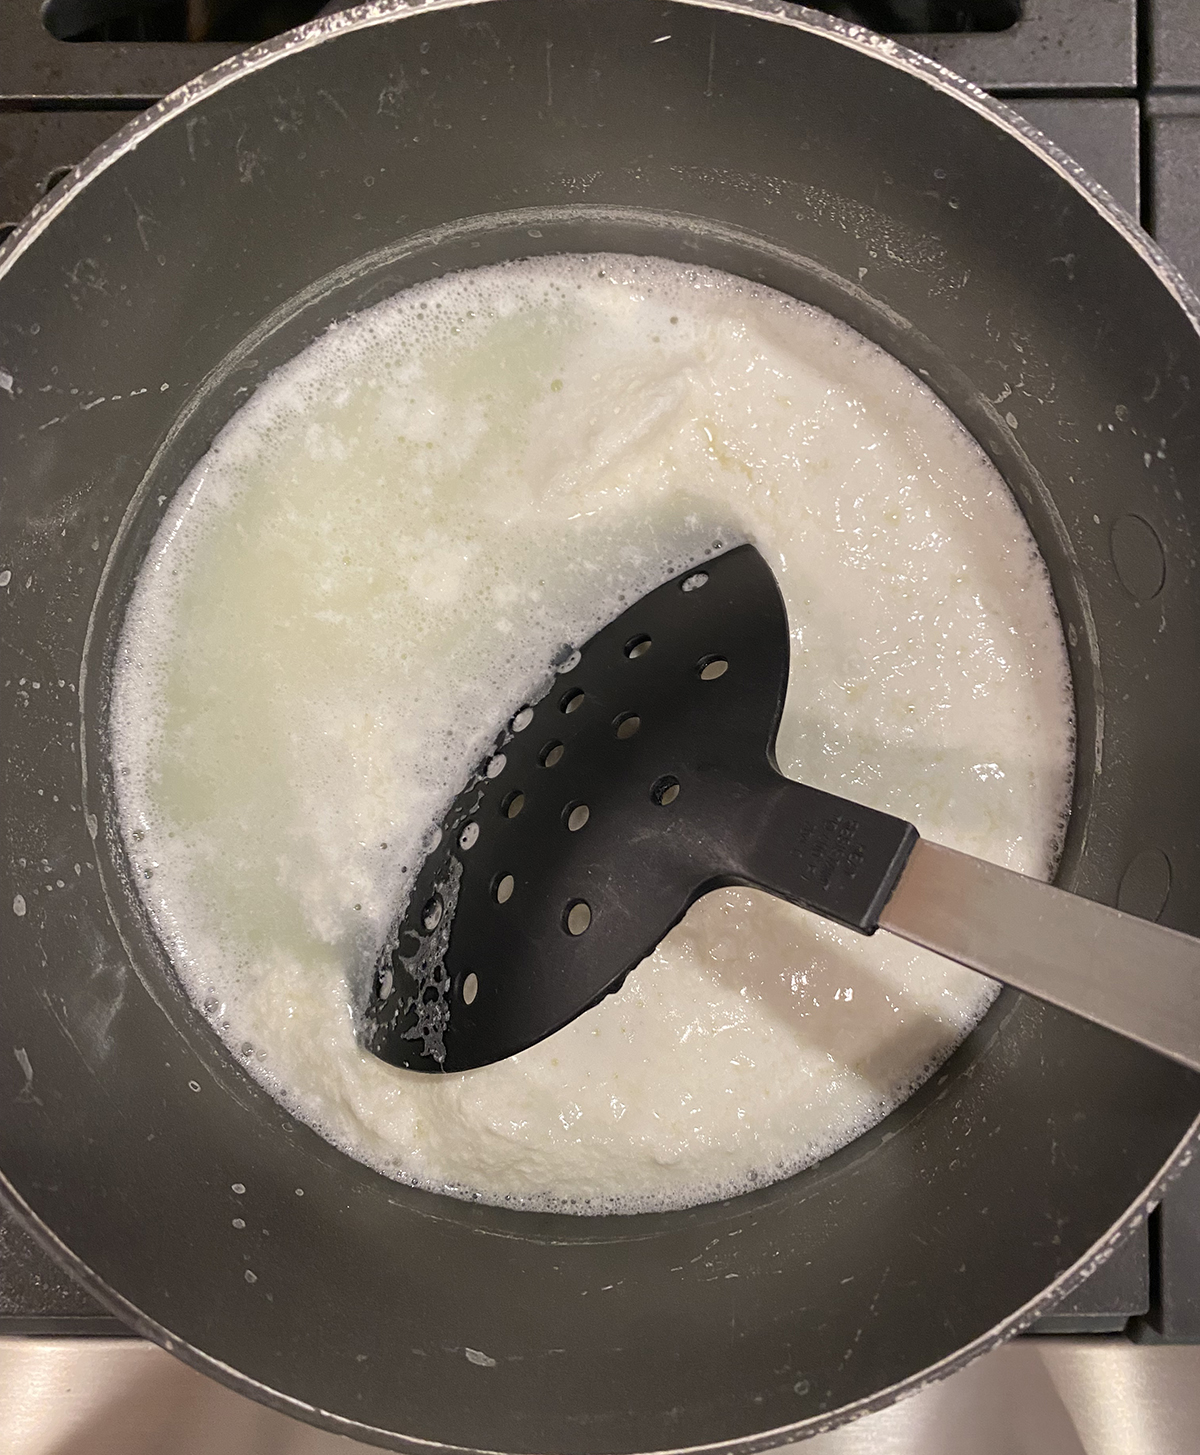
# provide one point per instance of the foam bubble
(378, 563)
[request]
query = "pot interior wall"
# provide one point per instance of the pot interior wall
(313, 185)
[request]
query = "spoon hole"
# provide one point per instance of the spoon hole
(578, 917)
(665, 790)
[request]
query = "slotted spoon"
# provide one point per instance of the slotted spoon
(646, 777)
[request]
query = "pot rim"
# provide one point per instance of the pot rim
(940, 78)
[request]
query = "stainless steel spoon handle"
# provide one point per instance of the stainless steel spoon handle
(1109, 967)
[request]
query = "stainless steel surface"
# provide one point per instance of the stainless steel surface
(1119, 971)
(1043, 1397)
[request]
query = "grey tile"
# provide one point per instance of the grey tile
(1101, 136)
(33, 64)
(1174, 127)
(1056, 45)
(34, 144)
(1174, 42)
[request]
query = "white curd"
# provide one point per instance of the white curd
(379, 557)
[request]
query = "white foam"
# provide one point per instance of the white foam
(378, 561)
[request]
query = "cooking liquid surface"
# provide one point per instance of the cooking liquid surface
(375, 565)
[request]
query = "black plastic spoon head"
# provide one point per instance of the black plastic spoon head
(602, 813)
(643, 779)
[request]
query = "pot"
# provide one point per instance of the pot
(220, 233)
